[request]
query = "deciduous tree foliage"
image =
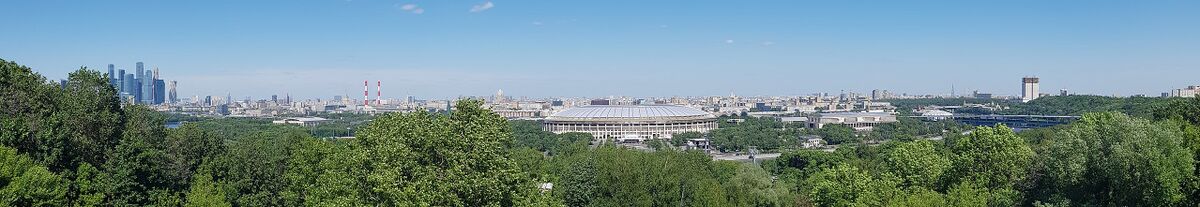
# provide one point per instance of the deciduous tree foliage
(205, 192)
(421, 159)
(79, 146)
(838, 134)
(25, 183)
(845, 185)
(762, 133)
(992, 156)
(917, 164)
(1114, 159)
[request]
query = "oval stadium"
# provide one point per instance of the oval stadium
(630, 122)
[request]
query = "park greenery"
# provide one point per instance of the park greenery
(78, 145)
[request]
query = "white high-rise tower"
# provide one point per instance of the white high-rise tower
(1029, 89)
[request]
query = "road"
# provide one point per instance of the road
(744, 158)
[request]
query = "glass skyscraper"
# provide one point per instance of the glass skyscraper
(147, 87)
(139, 84)
(121, 82)
(112, 77)
(171, 96)
(130, 86)
(159, 91)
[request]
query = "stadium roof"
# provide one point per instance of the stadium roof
(629, 111)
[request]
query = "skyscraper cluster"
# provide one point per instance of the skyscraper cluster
(142, 86)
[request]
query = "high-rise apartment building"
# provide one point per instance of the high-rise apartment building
(1029, 89)
(880, 94)
(1187, 92)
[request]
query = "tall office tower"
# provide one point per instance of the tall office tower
(130, 84)
(172, 97)
(147, 81)
(139, 89)
(275, 99)
(228, 99)
(160, 91)
(112, 77)
(121, 81)
(1029, 89)
(208, 101)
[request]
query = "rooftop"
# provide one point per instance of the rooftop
(630, 113)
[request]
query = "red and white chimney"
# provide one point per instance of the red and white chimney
(366, 95)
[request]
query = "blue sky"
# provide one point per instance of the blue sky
(440, 49)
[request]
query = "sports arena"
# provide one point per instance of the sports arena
(630, 122)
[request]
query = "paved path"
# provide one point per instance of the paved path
(745, 158)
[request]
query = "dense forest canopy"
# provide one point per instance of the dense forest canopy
(78, 145)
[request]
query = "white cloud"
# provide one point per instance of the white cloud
(768, 43)
(729, 41)
(537, 23)
(407, 7)
(410, 8)
(482, 7)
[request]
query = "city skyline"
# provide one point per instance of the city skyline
(448, 49)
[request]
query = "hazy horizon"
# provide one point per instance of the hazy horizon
(443, 49)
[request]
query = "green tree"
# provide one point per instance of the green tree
(89, 188)
(205, 192)
(681, 139)
(799, 164)
(426, 159)
(578, 186)
(26, 105)
(917, 163)
(25, 183)
(992, 158)
(1111, 158)
(91, 115)
(59, 126)
(763, 133)
(846, 185)
(333, 188)
(838, 134)
(752, 186)
(253, 169)
(994, 155)
(969, 194)
(187, 147)
(139, 163)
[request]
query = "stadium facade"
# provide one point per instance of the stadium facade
(630, 122)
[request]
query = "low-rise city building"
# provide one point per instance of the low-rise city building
(860, 121)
